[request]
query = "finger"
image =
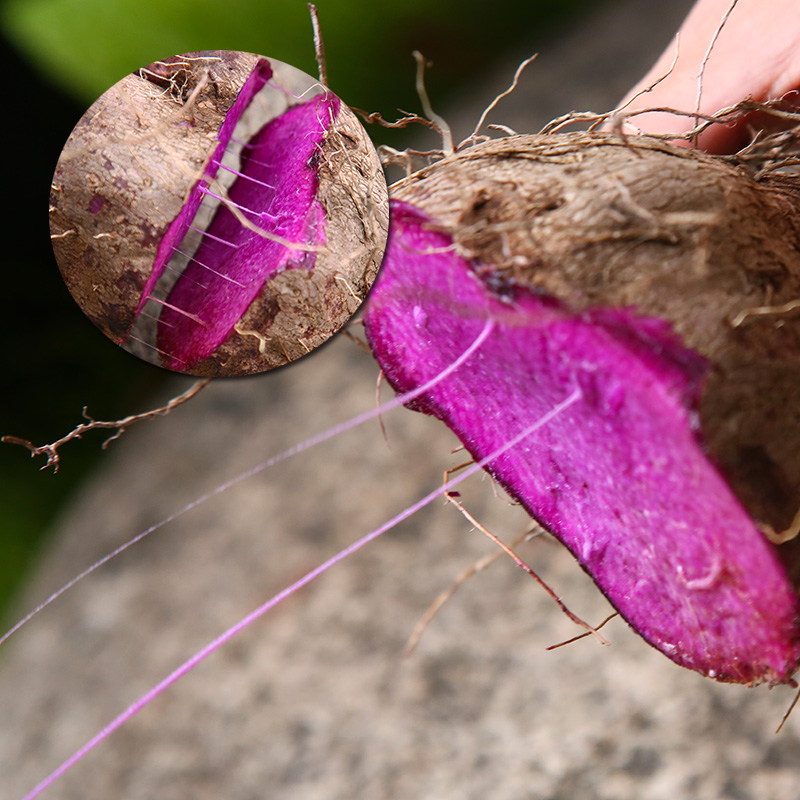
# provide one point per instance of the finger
(725, 51)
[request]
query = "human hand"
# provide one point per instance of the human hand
(756, 54)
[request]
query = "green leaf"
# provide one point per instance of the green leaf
(85, 46)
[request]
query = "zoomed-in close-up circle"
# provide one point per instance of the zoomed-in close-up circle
(219, 213)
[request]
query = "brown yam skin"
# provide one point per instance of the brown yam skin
(109, 207)
(300, 309)
(601, 220)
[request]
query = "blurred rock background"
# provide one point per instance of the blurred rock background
(316, 701)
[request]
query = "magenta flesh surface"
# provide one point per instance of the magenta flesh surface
(620, 477)
(257, 79)
(276, 193)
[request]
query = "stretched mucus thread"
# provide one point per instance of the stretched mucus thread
(319, 438)
(573, 398)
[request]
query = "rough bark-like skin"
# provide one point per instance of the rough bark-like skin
(299, 309)
(110, 208)
(599, 220)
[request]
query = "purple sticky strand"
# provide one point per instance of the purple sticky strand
(188, 314)
(248, 177)
(152, 347)
(179, 273)
(215, 238)
(247, 145)
(241, 142)
(227, 201)
(205, 266)
(201, 655)
(342, 427)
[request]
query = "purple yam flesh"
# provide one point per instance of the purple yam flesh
(621, 477)
(277, 193)
(256, 80)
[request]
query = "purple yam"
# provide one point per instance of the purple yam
(621, 477)
(256, 80)
(263, 286)
(127, 178)
(277, 192)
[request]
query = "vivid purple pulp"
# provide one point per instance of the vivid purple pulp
(275, 191)
(620, 477)
(257, 79)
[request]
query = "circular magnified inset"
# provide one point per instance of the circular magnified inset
(219, 213)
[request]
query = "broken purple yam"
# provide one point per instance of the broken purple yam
(126, 175)
(256, 80)
(622, 477)
(276, 192)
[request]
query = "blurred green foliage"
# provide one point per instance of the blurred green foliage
(54, 361)
(86, 45)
